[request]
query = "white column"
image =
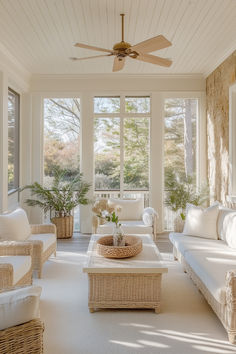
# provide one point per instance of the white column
(156, 158)
(86, 158)
(3, 142)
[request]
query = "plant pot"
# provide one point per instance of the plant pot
(64, 225)
(178, 224)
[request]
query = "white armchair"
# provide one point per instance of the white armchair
(21, 330)
(135, 219)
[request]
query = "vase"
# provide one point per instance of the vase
(118, 236)
(178, 224)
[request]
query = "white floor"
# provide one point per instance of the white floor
(186, 324)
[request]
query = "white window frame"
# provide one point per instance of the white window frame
(123, 115)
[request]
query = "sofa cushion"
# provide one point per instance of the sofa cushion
(185, 243)
(129, 226)
(21, 265)
(201, 222)
(47, 239)
(14, 226)
(131, 209)
(211, 267)
(19, 306)
(222, 222)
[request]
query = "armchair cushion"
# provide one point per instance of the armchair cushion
(47, 239)
(148, 216)
(19, 306)
(21, 265)
(14, 226)
(131, 209)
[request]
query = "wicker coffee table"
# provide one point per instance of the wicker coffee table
(125, 283)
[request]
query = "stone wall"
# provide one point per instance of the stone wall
(217, 98)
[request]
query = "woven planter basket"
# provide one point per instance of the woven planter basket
(64, 225)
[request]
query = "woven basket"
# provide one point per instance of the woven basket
(178, 224)
(105, 248)
(26, 338)
(64, 225)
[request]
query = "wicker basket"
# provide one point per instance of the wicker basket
(105, 248)
(22, 339)
(178, 224)
(64, 225)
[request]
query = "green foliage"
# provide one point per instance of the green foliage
(112, 217)
(180, 190)
(63, 196)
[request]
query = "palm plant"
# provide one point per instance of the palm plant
(181, 190)
(63, 195)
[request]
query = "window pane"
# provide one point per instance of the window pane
(107, 153)
(61, 136)
(106, 104)
(13, 140)
(137, 104)
(136, 153)
(179, 143)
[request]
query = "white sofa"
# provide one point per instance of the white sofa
(132, 218)
(211, 263)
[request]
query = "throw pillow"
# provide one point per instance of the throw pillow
(201, 222)
(131, 209)
(14, 226)
(229, 229)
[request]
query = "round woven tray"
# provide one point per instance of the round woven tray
(105, 248)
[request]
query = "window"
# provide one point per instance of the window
(13, 139)
(122, 143)
(180, 121)
(62, 141)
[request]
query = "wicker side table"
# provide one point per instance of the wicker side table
(125, 283)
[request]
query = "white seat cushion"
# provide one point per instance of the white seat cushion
(131, 209)
(129, 226)
(185, 243)
(14, 226)
(21, 265)
(211, 267)
(47, 239)
(19, 306)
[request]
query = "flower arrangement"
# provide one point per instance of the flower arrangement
(107, 212)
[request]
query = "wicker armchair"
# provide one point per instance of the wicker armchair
(14, 248)
(25, 337)
(40, 252)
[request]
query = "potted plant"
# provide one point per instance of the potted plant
(181, 190)
(60, 199)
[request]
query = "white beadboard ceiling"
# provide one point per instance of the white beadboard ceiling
(41, 33)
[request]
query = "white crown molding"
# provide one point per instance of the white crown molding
(114, 76)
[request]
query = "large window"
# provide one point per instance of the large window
(62, 140)
(13, 139)
(122, 143)
(180, 122)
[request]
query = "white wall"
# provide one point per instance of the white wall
(12, 75)
(86, 87)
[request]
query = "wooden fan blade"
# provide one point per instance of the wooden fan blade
(148, 58)
(95, 56)
(118, 64)
(85, 46)
(152, 44)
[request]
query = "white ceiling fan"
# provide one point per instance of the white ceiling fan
(138, 51)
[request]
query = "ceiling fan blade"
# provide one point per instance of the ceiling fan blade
(118, 63)
(85, 46)
(148, 58)
(152, 44)
(95, 56)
